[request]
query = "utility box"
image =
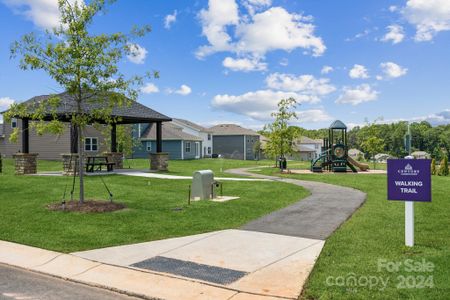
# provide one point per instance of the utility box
(202, 185)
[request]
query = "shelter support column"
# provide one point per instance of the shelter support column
(159, 161)
(25, 162)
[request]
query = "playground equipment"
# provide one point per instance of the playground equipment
(335, 152)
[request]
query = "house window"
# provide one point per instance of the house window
(187, 147)
(148, 146)
(13, 123)
(209, 150)
(209, 137)
(91, 144)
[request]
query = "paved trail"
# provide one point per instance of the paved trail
(316, 216)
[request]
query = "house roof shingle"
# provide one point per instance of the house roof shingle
(231, 129)
(192, 125)
(133, 113)
(169, 132)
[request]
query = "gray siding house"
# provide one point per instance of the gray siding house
(50, 146)
(177, 143)
(234, 141)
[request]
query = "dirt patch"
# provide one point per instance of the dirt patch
(89, 206)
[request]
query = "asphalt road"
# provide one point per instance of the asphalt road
(18, 284)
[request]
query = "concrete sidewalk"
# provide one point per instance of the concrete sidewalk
(147, 174)
(272, 266)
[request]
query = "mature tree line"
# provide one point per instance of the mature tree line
(390, 138)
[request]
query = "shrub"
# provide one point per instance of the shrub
(433, 167)
(443, 169)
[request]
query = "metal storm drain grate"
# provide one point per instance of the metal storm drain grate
(191, 270)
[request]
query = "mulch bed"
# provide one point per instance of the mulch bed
(89, 206)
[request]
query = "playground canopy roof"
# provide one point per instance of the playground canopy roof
(338, 124)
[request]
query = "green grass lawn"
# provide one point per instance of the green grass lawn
(150, 213)
(376, 231)
(187, 167)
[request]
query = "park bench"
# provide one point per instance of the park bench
(95, 164)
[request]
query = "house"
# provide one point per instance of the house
(355, 153)
(382, 157)
(51, 147)
(421, 155)
(196, 130)
(234, 141)
(306, 148)
(177, 143)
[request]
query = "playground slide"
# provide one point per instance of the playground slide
(361, 166)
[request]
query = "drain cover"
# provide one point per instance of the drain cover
(191, 270)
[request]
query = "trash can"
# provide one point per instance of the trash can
(284, 164)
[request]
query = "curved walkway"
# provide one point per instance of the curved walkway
(316, 216)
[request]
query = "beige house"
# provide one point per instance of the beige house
(306, 148)
(355, 153)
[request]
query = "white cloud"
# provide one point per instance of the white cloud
(358, 72)
(257, 105)
(137, 54)
(5, 102)
(428, 16)
(255, 5)
(392, 70)
(357, 36)
(393, 8)
(284, 62)
(357, 95)
(313, 116)
(170, 19)
(149, 88)
(184, 90)
(43, 13)
(395, 34)
(215, 20)
(306, 85)
(277, 29)
(326, 70)
(253, 36)
(244, 64)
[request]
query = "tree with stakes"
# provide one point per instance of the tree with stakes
(84, 65)
(279, 133)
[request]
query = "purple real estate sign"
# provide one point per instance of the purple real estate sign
(409, 179)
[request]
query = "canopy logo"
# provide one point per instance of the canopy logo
(408, 171)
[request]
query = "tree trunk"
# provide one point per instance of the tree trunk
(80, 163)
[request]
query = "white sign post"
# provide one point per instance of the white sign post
(409, 223)
(409, 218)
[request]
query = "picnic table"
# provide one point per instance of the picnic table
(95, 164)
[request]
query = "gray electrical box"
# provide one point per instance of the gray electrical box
(202, 185)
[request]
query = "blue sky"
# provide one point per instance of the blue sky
(227, 61)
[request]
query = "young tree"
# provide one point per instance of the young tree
(257, 150)
(279, 133)
(372, 143)
(84, 65)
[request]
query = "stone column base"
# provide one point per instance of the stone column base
(26, 163)
(70, 163)
(159, 161)
(115, 157)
